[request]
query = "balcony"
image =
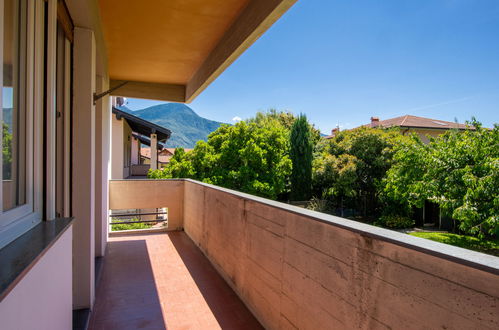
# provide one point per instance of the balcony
(230, 253)
(156, 281)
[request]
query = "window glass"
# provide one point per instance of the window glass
(13, 99)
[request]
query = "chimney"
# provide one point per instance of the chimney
(374, 121)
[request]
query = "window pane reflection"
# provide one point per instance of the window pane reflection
(13, 99)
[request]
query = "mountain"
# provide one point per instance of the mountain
(187, 126)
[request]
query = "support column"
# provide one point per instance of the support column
(154, 152)
(83, 168)
(117, 152)
(102, 166)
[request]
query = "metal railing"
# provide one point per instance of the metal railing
(134, 216)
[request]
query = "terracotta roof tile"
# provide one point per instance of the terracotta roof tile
(418, 122)
(409, 121)
(163, 157)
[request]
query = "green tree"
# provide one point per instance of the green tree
(251, 156)
(457, 170)
(301, 158)
(336, 175)
(285, 118)
(6, 151)
(350, 167)
(400, 190)
(180, 166)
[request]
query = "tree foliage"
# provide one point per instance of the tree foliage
(457, 170)
(375, 171)
(251, 156)
(286, 119)
(179, 166)
(301, 158)
(350, 167)
(6, 151)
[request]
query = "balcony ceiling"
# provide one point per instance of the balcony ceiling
(171, 50)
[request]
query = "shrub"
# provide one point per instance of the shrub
(130, 226)
(394, 221)
(319, 205)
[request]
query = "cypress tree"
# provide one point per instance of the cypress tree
(301, 158)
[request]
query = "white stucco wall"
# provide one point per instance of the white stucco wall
(121, 136)
(135, 151)
(102, 165)
(42, 300)
(424, 134)
(117, 148)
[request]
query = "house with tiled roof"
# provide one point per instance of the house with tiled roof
(128, 134)
(164, 155)
(425, 128)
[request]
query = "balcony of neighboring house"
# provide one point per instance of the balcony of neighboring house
(144, 163)
(235, 261)
(138, 145)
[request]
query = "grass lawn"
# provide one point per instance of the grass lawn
(130, 226)
(467, 242)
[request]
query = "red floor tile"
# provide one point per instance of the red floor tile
(163, 281)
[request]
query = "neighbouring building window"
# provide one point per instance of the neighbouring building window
(14, 104)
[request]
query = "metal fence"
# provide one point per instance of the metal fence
(161, 216)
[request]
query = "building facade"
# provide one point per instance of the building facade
(424, 128)
(60, 60)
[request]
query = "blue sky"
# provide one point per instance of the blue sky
(341, 62)
(7, 97)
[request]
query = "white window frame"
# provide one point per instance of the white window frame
(17, 221)
(50, 114)
(63, 135)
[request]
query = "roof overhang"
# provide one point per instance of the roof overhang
(143, 127)
(146, 141)
(435, 128)
(172, 50)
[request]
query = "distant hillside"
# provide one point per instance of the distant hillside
(186, 126)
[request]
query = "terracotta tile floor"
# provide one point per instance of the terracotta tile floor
(163, 281)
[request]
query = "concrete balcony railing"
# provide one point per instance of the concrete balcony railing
(296, 268)
(139, 170)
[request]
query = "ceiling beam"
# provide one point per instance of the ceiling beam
(145, 90)
(255, 19)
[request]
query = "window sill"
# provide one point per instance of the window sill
(19, 256)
